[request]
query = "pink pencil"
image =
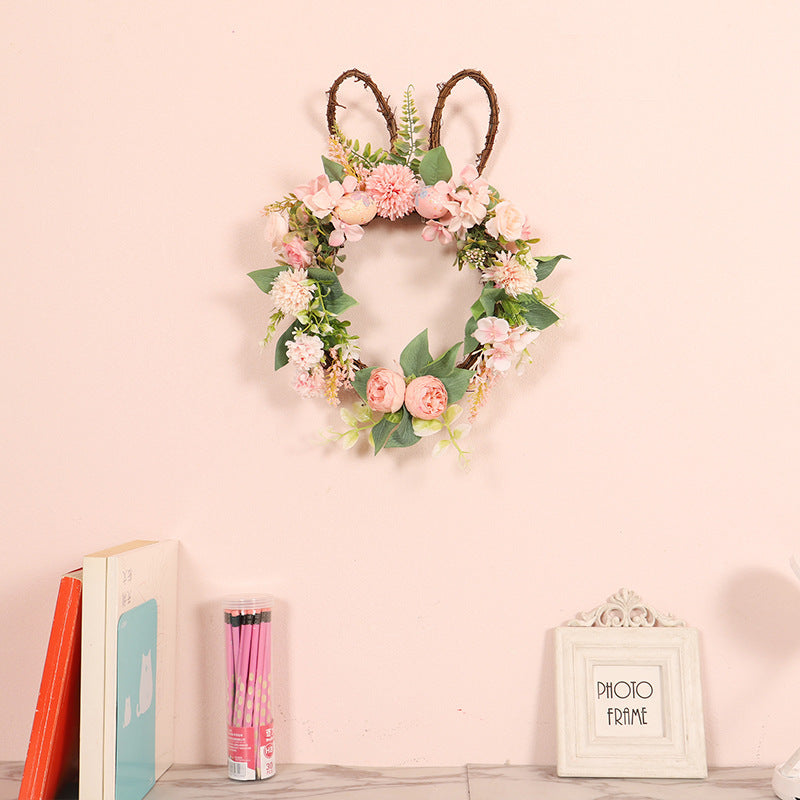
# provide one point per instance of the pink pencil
(241, 670)
(229, 684)
(252, 671)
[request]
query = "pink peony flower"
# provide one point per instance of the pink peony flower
(305, 352)
(296, 253)
(309, 384)
(508, 221)
(426, 397)
(385, 390)
(506, 271)
(392, 187)
(291, 292)
(276, 228)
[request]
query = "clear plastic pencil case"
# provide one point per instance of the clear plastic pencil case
(248, 659)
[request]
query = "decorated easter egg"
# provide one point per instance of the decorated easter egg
(356, 208)
(430, 203)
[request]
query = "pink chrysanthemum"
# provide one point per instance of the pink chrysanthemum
(291, 292)
(509, 273)
(392, 187)
(304, 351)
(309, 384)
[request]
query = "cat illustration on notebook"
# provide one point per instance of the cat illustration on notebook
(145, 685)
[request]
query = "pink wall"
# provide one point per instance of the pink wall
(653, 445)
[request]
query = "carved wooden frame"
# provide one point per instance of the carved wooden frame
(625, 634)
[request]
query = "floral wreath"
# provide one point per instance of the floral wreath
(307, 230)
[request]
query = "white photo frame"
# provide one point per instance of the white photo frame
(629, 700)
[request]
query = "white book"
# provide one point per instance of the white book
(128, 657)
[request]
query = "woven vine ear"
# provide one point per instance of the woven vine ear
(494, 113)
(383, 103)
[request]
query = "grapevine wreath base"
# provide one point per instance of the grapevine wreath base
(489, 235)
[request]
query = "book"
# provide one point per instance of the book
(51, 764)
(128, 669)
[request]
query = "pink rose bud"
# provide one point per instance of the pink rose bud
(426, 397)
(385, 391)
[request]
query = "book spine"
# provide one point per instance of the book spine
(50, 750)
(93, 634)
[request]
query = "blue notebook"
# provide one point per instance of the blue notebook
(136, 701)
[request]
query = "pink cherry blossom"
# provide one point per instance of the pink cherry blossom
(491, 330)
(327, 195)
(344, 232)
(436, 229)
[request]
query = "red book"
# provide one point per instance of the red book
(52, 761)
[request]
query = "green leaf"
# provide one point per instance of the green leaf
(477, 310)
(426, 427)
(544, 266)
(324, 276)
(264, 278)
(456, 383)
(334, 171)
(435, 166)
(470, 342)
(381, 432)
(539, 316)
(281, 358)
(489, 297)
(416, 355)
(443, 365)
(452, 414)
(403, 435)
(340, 303)
(360, 381)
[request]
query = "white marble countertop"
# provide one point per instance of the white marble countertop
(473, 782)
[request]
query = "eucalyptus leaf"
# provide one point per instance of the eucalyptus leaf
(360, 381)
(381, 432)
(435, 166)
(544, 266)
(456, 383)
(416, 355)
(281, 357)
(340, 303)
(403, 435)
(443, 365)
(470, 342)
(539, 316)
(489, 298)
(264, 278)
(334, 171)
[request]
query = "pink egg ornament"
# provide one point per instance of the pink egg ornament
(356, 208)
(430, 203)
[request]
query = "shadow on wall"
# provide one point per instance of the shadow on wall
(544, 724)
(760, 609)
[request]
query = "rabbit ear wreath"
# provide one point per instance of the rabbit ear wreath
(489, 235)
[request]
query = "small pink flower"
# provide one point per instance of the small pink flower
(385, 390)
(511, 274)
(309, 384)
(276, 228)
(291, 291)
(499, 356)
(392, 187)
(508, 221)
(491, 330)
(296, 253)
(321, 196)
(342, 232)
(426, 397)
(305, 351)
(434, 229)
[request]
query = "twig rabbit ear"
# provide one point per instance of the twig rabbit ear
(383, 103)
(494, 113)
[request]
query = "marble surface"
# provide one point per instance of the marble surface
(473, 782)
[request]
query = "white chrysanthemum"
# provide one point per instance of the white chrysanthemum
(513, 276)
(305, 351)
(291, 293)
